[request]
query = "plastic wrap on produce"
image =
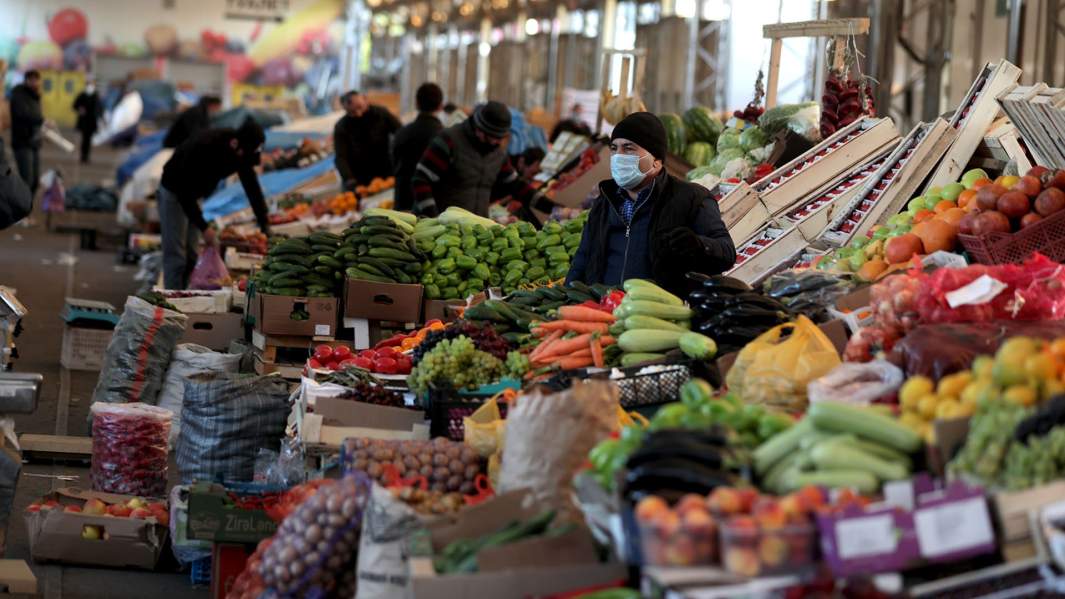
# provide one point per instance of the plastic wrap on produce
(807, 291)
(139, 353)
(225, 419)
(936, 350)
(857, 383)
(130, 449)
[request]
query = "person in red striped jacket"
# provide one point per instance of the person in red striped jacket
(466, 165)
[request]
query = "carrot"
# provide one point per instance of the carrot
(576, 326)
(571, 362)
(585, 314)
(597, 352)
(567, 346)
(606, 340)
(545, 344)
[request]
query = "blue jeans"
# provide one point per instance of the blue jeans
(180, 240)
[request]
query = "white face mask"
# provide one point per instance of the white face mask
(625, 169)
(90, 88)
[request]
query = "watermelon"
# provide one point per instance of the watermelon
(701, 125)
(676, 138)
(699, 153)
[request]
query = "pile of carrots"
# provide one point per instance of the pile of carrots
(575, 340)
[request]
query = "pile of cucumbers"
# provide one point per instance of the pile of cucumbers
(651, 322)
(302, 267)
(380, 248)
(544, 300)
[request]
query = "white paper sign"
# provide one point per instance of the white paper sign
(322, 330)
(899, 493)
(871, 535)
(980, 291)
(953, 526)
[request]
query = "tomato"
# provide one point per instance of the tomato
(334, 366)
(341, 352)
(312, 363)
(368, 354)
(349, 362)
(385, 365)
(363, 362)
(387, 352)
(403, 364)
(323, 353)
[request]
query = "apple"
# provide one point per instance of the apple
(1037, 171)
(74, 509)
(119, 510)
(933, 192)
(698, 522)
(162, 518)
(1029, 186)
(140, 513)
(94, 507)
(689, 502)
(136, 502)
(973, 176)
(916, 205)
(51, 503)
(725, 501)
(951, 191)
(650, 508)
(91, 532)
(33, 507)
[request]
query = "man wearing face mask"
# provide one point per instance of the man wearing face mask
(467, 166)
(89, 109)
(646, 223)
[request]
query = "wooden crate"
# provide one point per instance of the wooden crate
(885, 193)
(1003, 142)
(743, 212)
(841, 153)
(973, 117)
(1035, 111)
(764, 251)
(273, 348)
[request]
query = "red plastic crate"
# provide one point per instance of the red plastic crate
(1046, 237)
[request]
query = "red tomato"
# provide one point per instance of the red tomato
(323, 353)
(385, 365)
(312, 363)
(349, 362)
(342, 352)
(334, 366)
(363, 362)
(403, 364)
(386, 352)
(368, 353)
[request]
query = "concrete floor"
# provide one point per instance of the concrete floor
(45, 268)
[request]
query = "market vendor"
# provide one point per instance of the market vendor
(646, 223)
(192, 120)
(193, 173)
(361, 141)
(467, 166)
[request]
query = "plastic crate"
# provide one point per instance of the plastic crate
(636, 390)
(200, 571)
(1046, 237)
(446, 411)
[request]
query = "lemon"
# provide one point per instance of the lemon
(953, 384)
(912, 421)
(914, 389)
(982, 366)
(965, 410)
(926, 406)
(947, 408)
(928, 433)
(1022, 395)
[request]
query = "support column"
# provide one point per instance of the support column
(462, 94)
(483, 49)
(356, 29)
(552, 60)
(689, 66)
(1013, 38)
(884, 18)
(608, 21)
(934, 60)
(406, 98)
(432, 66)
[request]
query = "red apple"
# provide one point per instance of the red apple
(33, 507)
(1057, 180)
(689, 502)
(74, 509)
(1050, 201)
(651, 508)
(1030, 219)
(1029, 186)
(988, 196)
(725, 501)
(118, 510)
(140, 513)
(991, 222)
(1037, 171)
(698, 523)
(1014, 204)
(95, 507)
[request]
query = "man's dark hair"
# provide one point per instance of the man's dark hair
(533, 154)
(207, 101)
(32, 74)
(450, 107)
(429, 97)
(344, 99)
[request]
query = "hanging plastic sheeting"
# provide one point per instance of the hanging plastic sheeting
(144, 183)
(232, 198)
(523, 135)
(122, 120)
(143, 150)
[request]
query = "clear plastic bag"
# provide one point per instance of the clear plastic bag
(210, 271)
(130, 449)
(856, 383)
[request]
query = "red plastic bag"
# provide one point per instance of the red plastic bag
(210, 271)
(130, 448)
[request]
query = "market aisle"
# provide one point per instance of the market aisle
(45, 268)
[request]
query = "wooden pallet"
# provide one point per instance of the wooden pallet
(55, 447)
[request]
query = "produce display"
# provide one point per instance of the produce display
(454, 364)
(136, 508)
(343, 203)
(485, 338)
(384, 360)
(578, 339)
(730, 312)
(376, 185)
(844, 101)
(448, 466)
(588, 159)
(302, 267)
(650, 322)
(130, 448)
(380, 248)
(461, 555)
(253, 243)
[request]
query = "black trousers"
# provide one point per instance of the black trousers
(86, 145)
(28, 161)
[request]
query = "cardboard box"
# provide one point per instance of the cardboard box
(215, 301)
(213, 331)
(55, 535)
(441, 310)
(212, 517)
(84, 348)
(533, 567)
(382, 301)
(334, 419)
(1011, 511)
(274, 317)
(17, 577)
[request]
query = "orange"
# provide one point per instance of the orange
(965, 197)
(980, 183)
(922, 215)
(944, 205)
(1057, 348)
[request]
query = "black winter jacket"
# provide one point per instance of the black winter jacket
(407, 148)
(26, 117)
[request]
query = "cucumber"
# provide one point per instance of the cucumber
(647, 290)
(321, 248)
(877, 450)
(835, 416)
(648, 340)
(860, 480)
(356, 273)
(381, 252)
(639, 321)
(832, 454)
(646, 308)
(698, 346)
(633, 359)
(775, 448)
(322, 269)
(288, 291)
(329, 261)
(283, 280)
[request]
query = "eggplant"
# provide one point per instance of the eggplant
(726, 284)
(697, 277)
(674, 475)
(703, 455)
(1049, 416)
(754, 316)
(715, 436)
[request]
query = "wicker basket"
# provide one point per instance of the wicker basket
(1046, 237)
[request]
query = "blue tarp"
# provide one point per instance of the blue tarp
(142, 152)
(524, 135)
(232, 198)
(289, 139)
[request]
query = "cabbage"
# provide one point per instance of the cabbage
(759, 155)
(717, 165)
(738, 168)
(753, 138)
(729, 138)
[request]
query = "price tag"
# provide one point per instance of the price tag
(899, 493)
(870, 535)
(953, 526)
(322, 330)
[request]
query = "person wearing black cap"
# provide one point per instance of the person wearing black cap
(193, 120)
(646, 223)
(361, 141)
(410, 142)
(193, 173)
(467, 166)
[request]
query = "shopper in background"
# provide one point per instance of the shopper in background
(26, 121)
(361, 141)
(573, 123)
(467, 166)
(16, 202)
(89, 109)
(646, 223)
(410, 141)
(193, 120)
(193, 173)
(528, 162)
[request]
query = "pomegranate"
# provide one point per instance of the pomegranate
(1050, 200)
(988, 196)
(1014, 204)
(991, 222)
(1029, 186)
(1030, 219)
(967, 224)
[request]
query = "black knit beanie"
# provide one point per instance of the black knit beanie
(492, 118)
(645, 130)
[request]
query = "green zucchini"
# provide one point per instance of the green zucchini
(832, 454)
(648, 340)
(859, 480)
(646, 308)
(632, 359)
(639, 321)
(698, 346)
(646, 290)
(835, 416)
(776, 447)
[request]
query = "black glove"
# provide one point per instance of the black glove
(683, 243)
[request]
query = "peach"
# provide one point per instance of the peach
(742, 561)
(119, 510)
(650, 507)
(743, 524)
(74, 509)
(812, 497)
(793, 507)
(724, 500)
(680, 552)
(95, 507)
(772, 550)
(689, 502)
(698, 522)
(140, 513)
(747, 498)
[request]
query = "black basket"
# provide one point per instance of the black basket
(637, 390)
(446, 410)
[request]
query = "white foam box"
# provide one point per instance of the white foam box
(841, 153)
(765, 251)
(743, 212)
(973, 117)
(885, 193)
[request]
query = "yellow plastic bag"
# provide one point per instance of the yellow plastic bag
(774, 371)
(483, 430)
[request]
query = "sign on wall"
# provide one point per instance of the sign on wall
(257, 10)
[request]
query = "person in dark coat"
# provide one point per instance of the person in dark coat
(15, 199)
(89, 109)
(361, 140)
(646, 223)
(26, 121)
(193, 173)
(410, 141)
(193, 120)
